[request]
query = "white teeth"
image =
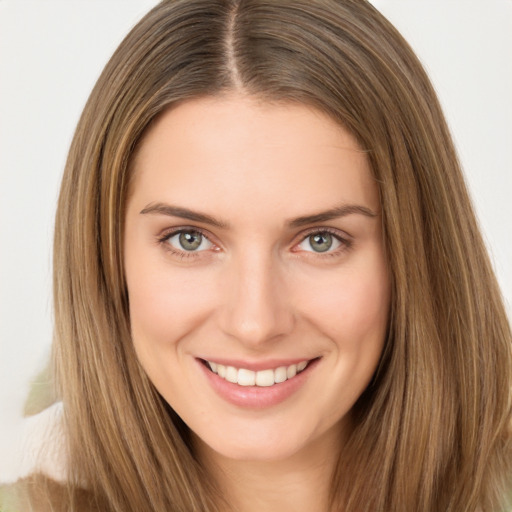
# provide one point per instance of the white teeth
(232, 374)
(262, 378)
(246, 377)
(265, 378)
(280, 374)
(291, 371)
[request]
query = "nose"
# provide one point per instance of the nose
(256, 308)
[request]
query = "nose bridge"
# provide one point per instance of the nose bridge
(257, 307)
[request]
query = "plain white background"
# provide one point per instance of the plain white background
(52, 51)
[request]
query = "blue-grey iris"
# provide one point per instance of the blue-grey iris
(320, 242)
(190, 240)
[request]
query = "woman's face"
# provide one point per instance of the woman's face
(253, 246)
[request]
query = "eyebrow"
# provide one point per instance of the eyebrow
(185, 213)
(333, 213)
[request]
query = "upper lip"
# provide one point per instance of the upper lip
(257, 365)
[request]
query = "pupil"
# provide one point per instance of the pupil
(190, 240)
(321, 242)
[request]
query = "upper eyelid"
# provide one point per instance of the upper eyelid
(169, 232)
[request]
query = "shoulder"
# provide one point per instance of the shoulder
(41, 446)
(37, 479)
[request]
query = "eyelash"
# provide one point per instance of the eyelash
(346, 243)
(163, 239)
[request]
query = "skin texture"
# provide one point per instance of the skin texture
(255, 290)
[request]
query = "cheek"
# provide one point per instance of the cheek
(166, 304)
(352, 306)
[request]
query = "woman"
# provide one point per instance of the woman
(270, 289)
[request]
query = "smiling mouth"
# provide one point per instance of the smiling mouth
(261, 378)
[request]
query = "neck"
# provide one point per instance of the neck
(298, 483)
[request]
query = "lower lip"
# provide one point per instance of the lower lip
(256, 397)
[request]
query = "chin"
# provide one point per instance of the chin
(272, 444)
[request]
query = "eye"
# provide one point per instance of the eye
(188, 240)
(321, 242)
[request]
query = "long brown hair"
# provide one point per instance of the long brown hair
(432, 429)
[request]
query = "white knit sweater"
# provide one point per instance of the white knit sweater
(40, 447)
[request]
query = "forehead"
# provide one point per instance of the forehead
(235, 150)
